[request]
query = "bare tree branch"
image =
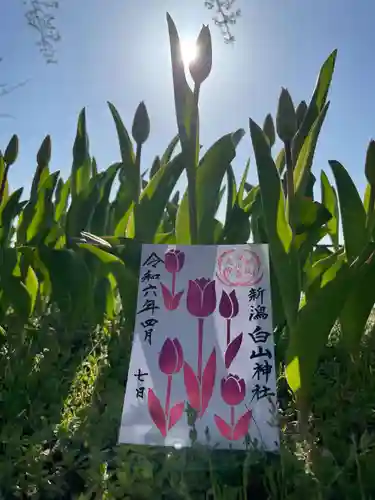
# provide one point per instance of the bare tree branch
(40, 16)
(225, 17)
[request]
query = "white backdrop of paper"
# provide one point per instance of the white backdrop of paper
(203, 338)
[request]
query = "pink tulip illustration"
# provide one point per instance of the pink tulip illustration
(233, 392)
(173, 261)
(171, 360)
(228, 309)
(201, 297)
(201, 303)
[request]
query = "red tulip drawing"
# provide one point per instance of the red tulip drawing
(201, 303)
(201, 297)
(233, 392)
(171, 360)
(173, 261)
(228, 309)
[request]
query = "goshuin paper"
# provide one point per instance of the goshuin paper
(203, 340)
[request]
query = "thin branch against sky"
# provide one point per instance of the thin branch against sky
(40, 15)
(225, 16)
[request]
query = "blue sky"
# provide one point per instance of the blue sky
(118, 50)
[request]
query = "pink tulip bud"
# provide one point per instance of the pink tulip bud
(171, 357)
(201, 297)
(228, 306)
(174, 260)
(233, 390)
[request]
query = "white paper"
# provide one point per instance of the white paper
(234, 405)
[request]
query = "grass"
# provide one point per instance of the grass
(61, 397)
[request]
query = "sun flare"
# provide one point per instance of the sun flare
(189, 51)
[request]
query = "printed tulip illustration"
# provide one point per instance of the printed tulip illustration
(171, 357)
(201, 303)
(201, 297)
(233, 392)
(228, 309)
(171, 360)
(173, 261)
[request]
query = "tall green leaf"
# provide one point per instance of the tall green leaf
(316, 105)
(329, 200)
(81, 168)
(37, 217)
(154, 199)
(129, 173)
(352, 212)
(61, 200)
(8, 212)
(167, 155)
(82, 209)
(279, 232)
(231, 192)
(126, 280)
(358, 306)
(306, 155)
(310, 332)
(71, 283)
(101, 212)
(210, 174)
(183, 95)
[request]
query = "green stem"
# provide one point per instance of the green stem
(370, 212)
(138, 170)
(303, 417)
(3, 183)
(290, 181)
(191, 169)
(372, 200)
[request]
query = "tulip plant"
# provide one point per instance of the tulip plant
(70, 251)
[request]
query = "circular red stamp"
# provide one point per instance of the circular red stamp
(239, 267)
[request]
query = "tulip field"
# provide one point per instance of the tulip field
(70, 253)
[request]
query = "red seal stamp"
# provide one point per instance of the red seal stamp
(239, 267)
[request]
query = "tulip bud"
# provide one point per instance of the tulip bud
(286, 120)
(174, 260)
(269, 129)
(301, 112)
(141, 124)
(201, 297)
(228, 307)
(171, 357)
(11, 152)
(370, 163)
(233, 390)
(200, 68)
(44, 154)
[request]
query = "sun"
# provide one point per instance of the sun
(189, 51)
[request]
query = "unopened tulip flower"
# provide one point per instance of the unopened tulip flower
(174, 260)
(228, 307)
(233, 390)
(201, 66)
(171, 357)
(201, 297)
